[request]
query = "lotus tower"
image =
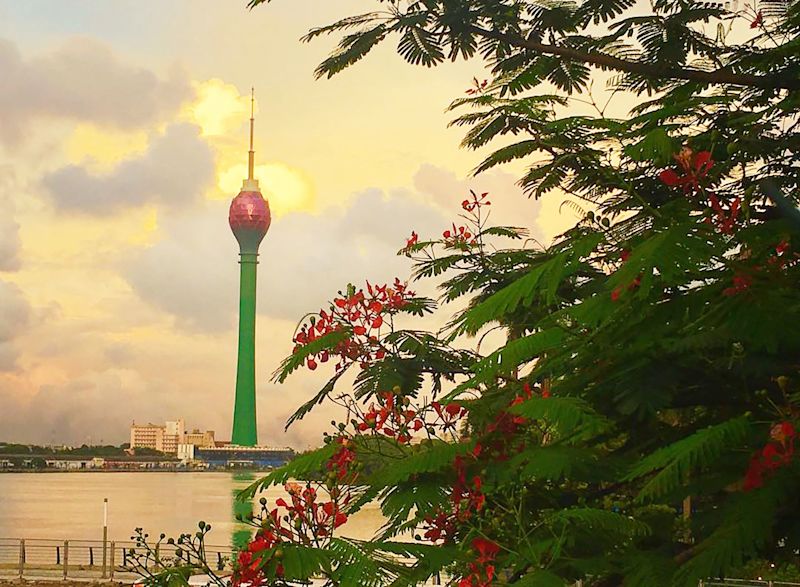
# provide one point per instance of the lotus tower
(249, 219)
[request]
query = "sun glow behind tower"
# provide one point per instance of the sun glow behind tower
(249, 218)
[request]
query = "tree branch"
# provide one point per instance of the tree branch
(649, 70)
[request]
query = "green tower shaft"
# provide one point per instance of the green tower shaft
(244, 411)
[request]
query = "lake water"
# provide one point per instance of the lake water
(69, 506)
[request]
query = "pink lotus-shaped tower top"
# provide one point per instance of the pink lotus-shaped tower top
(249, 211)
(249, 218)
(249, 215)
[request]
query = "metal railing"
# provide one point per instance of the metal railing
(114, 560)
(86, 559)
(746, 583)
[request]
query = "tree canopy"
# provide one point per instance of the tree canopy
(637, 427)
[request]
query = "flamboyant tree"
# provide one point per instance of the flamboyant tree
(638, 425)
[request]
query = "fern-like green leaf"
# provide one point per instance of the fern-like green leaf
(675, 462)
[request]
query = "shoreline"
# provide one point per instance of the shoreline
(143, 470)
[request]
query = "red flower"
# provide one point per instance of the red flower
(757, 21)
(341, 460)
(775, 454)
(741, 282)
(487, 550)
(695, 167)
(412, 240)
(725, 221)
(477, 86)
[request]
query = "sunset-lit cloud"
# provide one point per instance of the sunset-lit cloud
(120, 149)
(218, 108)
(288, 189)
(101, 149)
(175, 171)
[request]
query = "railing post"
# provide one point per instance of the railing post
(105, 534)
(58, 555)
(21, 558)
(111, 561)
(91, 556)
(66, 558)
(105, 559)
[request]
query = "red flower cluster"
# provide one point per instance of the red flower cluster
(465, 499)
(251, 562)
(776, 261)
(724, 219)
(617, 292)
(249, 567)
(478, 87)
(695, 167)
(476, 203)
(741, 283)
(341, 462)
(412, 240)
(360, 313)
(458, 237)
(309, 516)
(392, 418)
(448, 416)
(482, 569)
(776, 454)
(757, 21)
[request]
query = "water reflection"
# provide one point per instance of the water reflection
(69, 506)
(242, 510)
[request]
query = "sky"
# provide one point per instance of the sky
(123, 138)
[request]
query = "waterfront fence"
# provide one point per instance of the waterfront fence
(114, 560)
(746, 583)
(87, 559)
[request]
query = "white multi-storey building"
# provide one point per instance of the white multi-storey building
(162, 437)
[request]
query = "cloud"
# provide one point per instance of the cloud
(175, 170)
(14, 318)
(10, 243)
(82, 80)
(192, 272)
(96, 405)
(509, 207)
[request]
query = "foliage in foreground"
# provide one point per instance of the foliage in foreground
(637, 427)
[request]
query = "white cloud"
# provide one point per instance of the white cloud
(14, 318)
(175, 171)
(82, 80)
(10, 243)
(192, 273)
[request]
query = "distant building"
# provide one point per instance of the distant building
(147, 436)
(72, 463)
(233, 456)
(200, 439)
(168, 437)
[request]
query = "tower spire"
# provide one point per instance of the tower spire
(252, 153)
(251, 183)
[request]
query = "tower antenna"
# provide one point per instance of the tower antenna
(251, 153)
